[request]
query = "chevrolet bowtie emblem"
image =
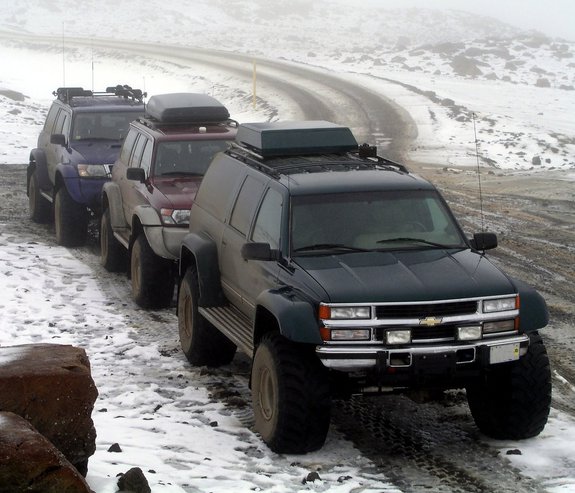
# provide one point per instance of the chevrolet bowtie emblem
(430, 321)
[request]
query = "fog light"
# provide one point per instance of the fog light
(500, 326)
(350, 334)
(469, 333)
(398, 336)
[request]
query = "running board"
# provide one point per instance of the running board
(233, 324)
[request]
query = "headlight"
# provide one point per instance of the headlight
(344, 312)
(94, 170)
(176, 217)
(500, 304)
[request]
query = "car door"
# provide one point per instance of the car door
(233, 267)
(55, 153)
(133, 191)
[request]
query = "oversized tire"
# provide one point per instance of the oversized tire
(39, 208)
(70, 220)
(152, 276)
(512, 400)
(290, 396)
(202, 343)
(113, 255)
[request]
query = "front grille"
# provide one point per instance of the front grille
(423, 310)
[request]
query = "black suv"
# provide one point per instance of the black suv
(340, 272)
(76, 149)
(146, 205)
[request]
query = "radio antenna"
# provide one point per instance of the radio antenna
(63, 59)
(478, 173)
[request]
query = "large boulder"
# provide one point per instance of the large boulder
(51, 386)
(30, 463)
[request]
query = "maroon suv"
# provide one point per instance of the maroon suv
(146, 205)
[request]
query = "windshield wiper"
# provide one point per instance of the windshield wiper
(416, 240)
(330, 247)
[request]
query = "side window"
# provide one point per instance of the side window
(218, 185)
(146, 162)
(128, 145)
(138, 150)
(66, 125)
(245, 204)
(268, 222)
(62, 118)
(51, 118)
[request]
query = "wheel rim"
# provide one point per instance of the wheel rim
(267, 394)
(136, 271)
(104, 238)
(187, 319)
(57, 220)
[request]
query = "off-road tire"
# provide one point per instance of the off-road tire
(70, 220)
(113, 255)
(290, 396)
(512, 400)
(39, 208)
(152, 276)
(201, 342)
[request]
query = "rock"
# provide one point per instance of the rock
(311, 477)
(543, 82)
(29, 462)
(51, 386)
(134, 481)
(466, 67)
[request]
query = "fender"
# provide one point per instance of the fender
(203, 253)
(112, 195)
(67, 176)
(38, 162)
(533, 312)
(296, 317)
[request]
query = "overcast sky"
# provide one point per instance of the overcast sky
(556, 18)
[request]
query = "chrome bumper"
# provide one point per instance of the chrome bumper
(356, 358)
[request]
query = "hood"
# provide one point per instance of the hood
(95, 152)
(422, 275)
(179, 192)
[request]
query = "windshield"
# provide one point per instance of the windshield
(187, 157)
(106, 125)
(348, 222)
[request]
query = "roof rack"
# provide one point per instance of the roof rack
(67, 94)
(268, 147)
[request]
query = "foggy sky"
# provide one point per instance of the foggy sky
(555, 18)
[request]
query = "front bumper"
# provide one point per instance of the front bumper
(166, 241)
(483, 353)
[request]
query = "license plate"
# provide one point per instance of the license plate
(504, 353)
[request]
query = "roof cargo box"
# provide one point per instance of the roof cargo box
(186, 108)
(271, 139)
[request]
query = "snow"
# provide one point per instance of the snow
(161, 411)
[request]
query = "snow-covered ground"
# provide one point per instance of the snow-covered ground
(160, 410)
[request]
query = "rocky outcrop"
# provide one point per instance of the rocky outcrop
(30, 463)
(51, 386)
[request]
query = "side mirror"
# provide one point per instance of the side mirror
(58, 139)
(259, 251)
(484, 241)
(136, 174)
